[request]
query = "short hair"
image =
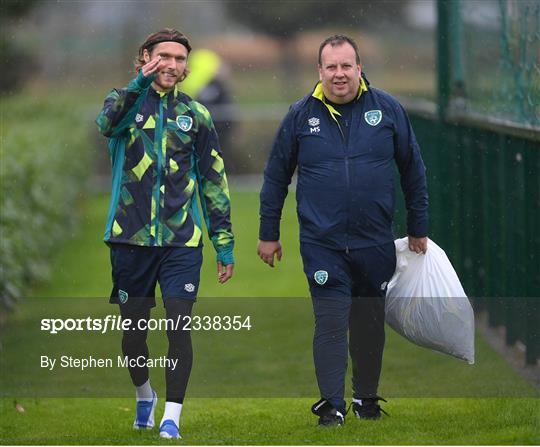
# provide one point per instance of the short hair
(337, 40)
(164, 35)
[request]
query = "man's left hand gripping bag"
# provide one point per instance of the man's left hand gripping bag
(426, 303)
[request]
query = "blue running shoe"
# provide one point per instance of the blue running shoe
(144, 419)
(169, 430)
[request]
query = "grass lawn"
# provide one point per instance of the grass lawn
(275, 421)
(249, 388)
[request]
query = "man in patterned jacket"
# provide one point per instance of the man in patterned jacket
(164, 149)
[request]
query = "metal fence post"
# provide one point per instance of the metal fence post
(443, 57)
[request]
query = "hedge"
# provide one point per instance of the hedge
(45, 154)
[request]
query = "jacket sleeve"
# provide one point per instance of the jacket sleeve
(277, 177)
(413, 175)
(213, 186)
(121, 106)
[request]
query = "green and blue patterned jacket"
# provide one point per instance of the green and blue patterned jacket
(164, 148)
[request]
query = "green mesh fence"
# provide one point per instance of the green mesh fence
(495, 58)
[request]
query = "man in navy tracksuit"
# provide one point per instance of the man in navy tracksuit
(344, 139)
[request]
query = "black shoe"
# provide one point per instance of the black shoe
(328, 415)
(369, 409)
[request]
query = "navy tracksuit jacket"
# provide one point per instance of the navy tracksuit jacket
(345, 192)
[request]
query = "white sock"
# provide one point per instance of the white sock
(144, 392)
(357, 401)
(172, 412)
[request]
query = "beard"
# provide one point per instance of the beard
(166, 82)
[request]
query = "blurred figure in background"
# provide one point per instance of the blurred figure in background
(207, 84)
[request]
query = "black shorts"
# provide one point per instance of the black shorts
(136, 270)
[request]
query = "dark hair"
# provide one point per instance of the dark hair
(337, 40)
(165, 35)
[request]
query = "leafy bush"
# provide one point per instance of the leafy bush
(44, 159)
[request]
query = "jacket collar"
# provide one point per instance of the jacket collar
(319, 94)
(170, 95)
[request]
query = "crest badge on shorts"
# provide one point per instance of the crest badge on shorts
(373, 117)
(320, 276)
(184, 122)
(123, 296)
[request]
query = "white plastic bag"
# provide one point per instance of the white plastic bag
(426, 303)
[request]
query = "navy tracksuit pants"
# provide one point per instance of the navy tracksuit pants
(348, 291)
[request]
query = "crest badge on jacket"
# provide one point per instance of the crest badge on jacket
(184, 122)
(373, 117)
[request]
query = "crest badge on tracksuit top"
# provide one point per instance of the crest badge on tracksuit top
(373, 117)
(184, 122)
